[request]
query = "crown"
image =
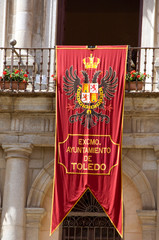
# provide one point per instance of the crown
(90, 63)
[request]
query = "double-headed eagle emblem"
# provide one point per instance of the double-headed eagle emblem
(90, 96)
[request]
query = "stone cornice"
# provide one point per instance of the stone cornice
(47, 139)
(27, 103)
(28, 94)
(52, 94)
(45, 102)
(142, 94)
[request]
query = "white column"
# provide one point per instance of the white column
(3, 18)
(15, 188)
(52, 23)
(157, 25)
(147, 36)
(148, 23)
(23, 23)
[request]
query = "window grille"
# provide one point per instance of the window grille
(87, 221)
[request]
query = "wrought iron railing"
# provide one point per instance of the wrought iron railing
(144, 60)
(39, 65)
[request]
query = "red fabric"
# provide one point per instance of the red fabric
(89, 129)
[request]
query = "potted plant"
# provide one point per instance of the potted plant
(16, 79)
(134, 80)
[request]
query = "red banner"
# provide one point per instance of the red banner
(89, 107)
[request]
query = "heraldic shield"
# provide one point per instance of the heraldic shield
(89, 92)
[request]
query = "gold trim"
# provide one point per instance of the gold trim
(122, 140)
(64, 48)
(99, 204)
(87, 173)
(54, 157)
(93, 135)
(106, 213)
(70, 209)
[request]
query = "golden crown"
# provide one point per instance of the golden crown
(90, 63)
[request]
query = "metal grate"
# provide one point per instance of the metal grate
(89, 228)
(88, 222)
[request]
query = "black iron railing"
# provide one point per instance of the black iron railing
(39, 65)
(144, 60)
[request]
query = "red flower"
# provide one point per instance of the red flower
(144, 74)
(10, 75)
(132, 75)
(138, 76)
(25, 75)
(54, 77)
(24, 81)
(132, 71)
(0, 77)
(17, 71)
(4, 73)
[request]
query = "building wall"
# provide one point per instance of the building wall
(27, 127)
(29, 119)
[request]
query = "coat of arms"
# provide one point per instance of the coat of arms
(90, 95)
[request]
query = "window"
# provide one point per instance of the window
(99, 23)
(87, 221)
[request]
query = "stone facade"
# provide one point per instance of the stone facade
(26, 166)
(27, 129)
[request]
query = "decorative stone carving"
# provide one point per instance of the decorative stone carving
(33, 221)
(148, 219)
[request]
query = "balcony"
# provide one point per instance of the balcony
(39, 65)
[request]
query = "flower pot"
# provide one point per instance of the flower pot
(133, 85)
(15, 85)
